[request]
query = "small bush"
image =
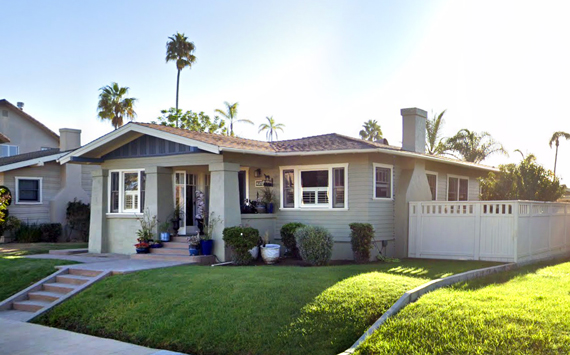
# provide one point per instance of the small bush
(361, 237)
(315, 244)
(241, 240)
(50, 232)
(78, 215)
(288, 237)
(28, 233)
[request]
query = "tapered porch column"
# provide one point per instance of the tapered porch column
(98, 221)
(158, 192)
(224, 201)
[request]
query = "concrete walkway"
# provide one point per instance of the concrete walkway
(19, 338)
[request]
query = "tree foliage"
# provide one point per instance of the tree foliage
(556, 139)
(199, 122)
(230, 114)
(180, 50)
(271, 128)
(434, 143)
(371, 132)
(114, 106)
(472, 146)
(525, 181)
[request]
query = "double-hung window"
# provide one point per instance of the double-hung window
(28, 190)
(457, 188)
(127, 191)
(383, 185)
(321, 186)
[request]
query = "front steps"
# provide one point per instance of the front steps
(175, 250)
(48, 292)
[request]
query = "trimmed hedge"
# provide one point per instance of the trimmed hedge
(50, 232)
(288, 237)
(315, 244)
(361, 237)
(28, 233)
(241, 240)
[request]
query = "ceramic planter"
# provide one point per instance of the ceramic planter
(192, 250)
(142, 250)
(164, 237)
(206, 246)
(270, 253)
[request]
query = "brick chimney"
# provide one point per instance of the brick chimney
(69, 139)
(414, 129)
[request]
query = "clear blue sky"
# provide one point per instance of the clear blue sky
(317, 67)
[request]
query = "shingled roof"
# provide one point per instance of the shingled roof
(27, 156)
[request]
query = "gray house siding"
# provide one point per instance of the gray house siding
(443, 172)
(147, 146)
(23, 133)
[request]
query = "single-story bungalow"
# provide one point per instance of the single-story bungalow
(329, 180)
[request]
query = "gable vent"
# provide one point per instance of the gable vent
(4, 113)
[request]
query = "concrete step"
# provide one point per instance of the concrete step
(44, 296)
(200, 259)
(72, 279)
(68, 251)
(81, 272)
(30, 305)
(179, 239)
(175, 245)
(59, 287)
(169, 251)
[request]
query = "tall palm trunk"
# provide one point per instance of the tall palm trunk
(555, 158)
(177, 86)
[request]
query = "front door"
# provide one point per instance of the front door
(185, 197)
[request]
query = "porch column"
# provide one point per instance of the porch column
(158, 192)
(98, 221)
(412, 186)
(224, 201)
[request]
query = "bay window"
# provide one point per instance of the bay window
(127, 191)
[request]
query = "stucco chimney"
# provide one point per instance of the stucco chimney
(69, 139)
(414, 129)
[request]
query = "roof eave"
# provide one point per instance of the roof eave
(30, 162)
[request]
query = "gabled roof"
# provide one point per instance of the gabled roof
(29, 159)
(7, 104)
(216, 143)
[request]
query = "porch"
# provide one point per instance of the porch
(506, 231)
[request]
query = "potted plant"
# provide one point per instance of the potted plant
(145, 233)
(268, 198)
(163, 228)
(155, 244)
(142, 246)
(193, 242)
(269, 252)
(176, 218)
(206, 242)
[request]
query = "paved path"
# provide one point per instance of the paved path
(19, 338)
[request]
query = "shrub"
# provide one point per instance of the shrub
(241, 240)
(78, 215)
(315, 244)
(50, 232)
(288, 237)
(28, 233)
(361, 237)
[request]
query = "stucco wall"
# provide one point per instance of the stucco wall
(23, 133)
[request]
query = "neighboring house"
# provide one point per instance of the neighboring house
(40, 186)
(329, 180)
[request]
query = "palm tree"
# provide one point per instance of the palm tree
(180, 50)
(371, 132)
(230, 114)
(114, 106)
(271, 127)
(556, 139)
(473, 147)
(435, 144)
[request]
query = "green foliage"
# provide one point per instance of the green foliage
(28, 233)
(525, 181)
(556, 139)
(199, 122)
(361, 237)
(472, 146)
(371, 132)
(434, 143)
(50, 232)
(288, 237)
(180, 50)
(78, 216)
(148, 224)
(5, 201)
(114, 106)
(315, 244)
(241, 240)
(271, 127)
(231, 115)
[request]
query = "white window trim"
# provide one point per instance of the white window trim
(429, 172)
(458, 177)
(297, 169)
(246, 169)
(122, 191)
(18, 178)
(387, 166)
(11, 145)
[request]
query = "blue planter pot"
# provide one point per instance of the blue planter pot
(142, 250)
(192, 251)
(270, 208)
(206, 246)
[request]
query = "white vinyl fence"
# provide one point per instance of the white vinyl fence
(508, 231)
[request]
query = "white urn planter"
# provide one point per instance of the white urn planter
(270, 253)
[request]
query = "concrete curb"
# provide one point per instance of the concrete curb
(413, 295)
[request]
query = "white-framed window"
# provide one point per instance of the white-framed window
(127, 191)
(457, 188)
(383, 184)
(7, 150)
(28, 190)
(432, 182)
(314, 186)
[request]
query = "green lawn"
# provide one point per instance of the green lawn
(246, 310)
(525, 311)
(19, 249)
